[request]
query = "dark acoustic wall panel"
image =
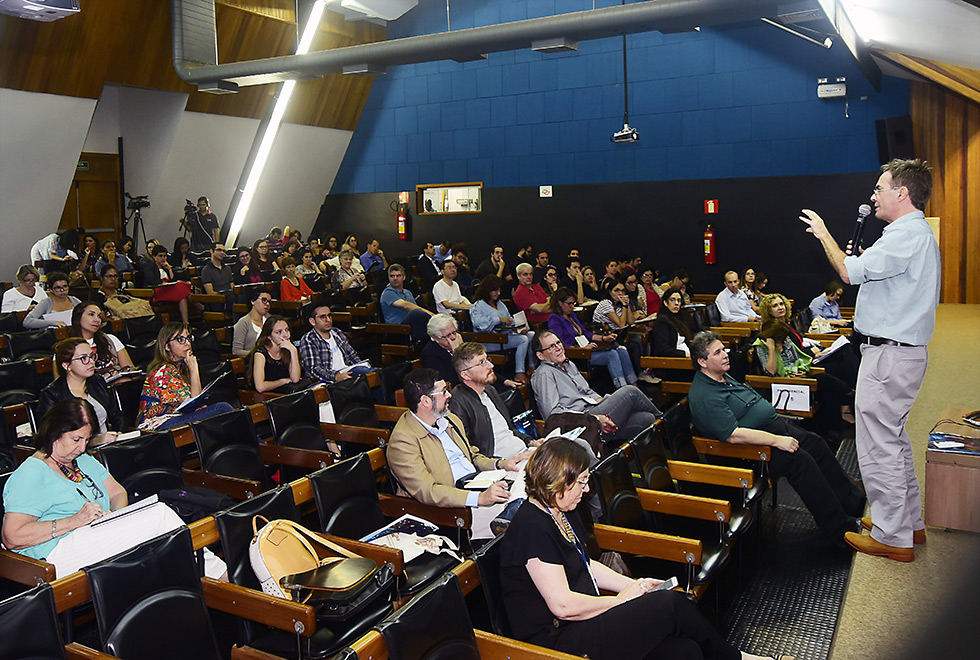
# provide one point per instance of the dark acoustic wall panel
(757, 225)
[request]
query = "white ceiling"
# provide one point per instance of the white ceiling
(945, 31)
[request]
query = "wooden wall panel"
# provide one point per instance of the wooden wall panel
(128, 42)
(946, 131)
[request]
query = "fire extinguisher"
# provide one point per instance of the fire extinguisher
(709, 246)
(402, 221)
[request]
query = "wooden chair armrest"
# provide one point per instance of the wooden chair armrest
(258, 606)
(395, 507)
(689, 506)
(76, 651)
(468, 576)
(22, 453)
(146, 294)
(25, 570)
(751, 325)
(578, 353)
(305, 458)
(239, 489)
(712, 447)
(251, 397)
(248, 653)
(495, 647)
(766, 382)
(379, 553)
(358, 434)
(673, 363)
(486, 337)
(388, 328)
(389, 413)
(370, 645)
(711, 474)
(672, 387)
(648, 544)
(208, 298)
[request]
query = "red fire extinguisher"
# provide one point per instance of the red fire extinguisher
(709, 246)
(402, 221)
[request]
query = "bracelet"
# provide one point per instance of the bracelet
(54, 528)
(496, 464)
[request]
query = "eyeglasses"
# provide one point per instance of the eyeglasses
(878, 190)
(29, 280)
(91, 484)
(443, 391)
(63, 287)
(110, 275)
(583, 481)
(87, 358)
(545, 349)
(570, 301)
(482, 363)
(183, 339)
(451, 335)
(264, 301)
(219, 249)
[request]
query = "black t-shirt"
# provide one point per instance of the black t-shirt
(434, 356)
(533, 534)
(202, 231)
(220, 278)
(274, 369)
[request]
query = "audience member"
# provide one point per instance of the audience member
(443, 253)
(373, 257)
(180, 258)
(245, 271)
(724, 409)
(331, 248)
(490, 314)
(748, 281)
(525, 253)
(732, 301)
(109, 255)
(324, 351)
(553, 591)
(673, 328)
(759, 286)
(89, 256)
(51, 499)
(617, 313)
(566, 325)
(307, 264)
(559, 387)
(345, 276)
(55, 311)
(540, 266)
(476, 402)
(437, 354)
(493, 265)
(398, 304)
(464, 277)
(653, 293)
(550, 280)
(216, 277)
(446, 292)
(611, 275)
(679, 279)
(293, 287)
(590, 287)
(429, 270)
(249, 327)
(166, 288)
(428, 453)
(75, 376)
(61, 246)
(26, 294)
(275, 238)
(529, 297)
(573, 280)
(262, 258)
(288, 251)
(111, 356)
(173, 378)
(826, 306)
(273, 364)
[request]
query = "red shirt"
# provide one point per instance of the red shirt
(653, 301)
(289, 292)
(525, 296)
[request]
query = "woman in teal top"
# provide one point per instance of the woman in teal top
(59, 488)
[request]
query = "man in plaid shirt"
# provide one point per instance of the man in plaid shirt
(325, 353)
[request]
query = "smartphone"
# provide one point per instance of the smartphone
(669, 584)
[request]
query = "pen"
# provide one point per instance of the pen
(82, 494)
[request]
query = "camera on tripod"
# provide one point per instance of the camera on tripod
(136, 203)
(189, 208)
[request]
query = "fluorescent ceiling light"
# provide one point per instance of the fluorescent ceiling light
(272, 128)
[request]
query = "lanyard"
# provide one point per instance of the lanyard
(568, 532)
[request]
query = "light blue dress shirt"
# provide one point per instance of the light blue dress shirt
(734, 306)
(823, 308)
(900, 279)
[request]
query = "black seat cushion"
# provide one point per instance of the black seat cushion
(32, 611)
(32, 344)
(352, 402)
(144, 465)
(226, 387)
(435, 625)
(487, 561)
(19, 375)
(145, 594)
(227, 445)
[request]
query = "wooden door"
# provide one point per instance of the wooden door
(93, 200)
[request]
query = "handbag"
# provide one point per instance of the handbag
(284, 558)
(127, 307)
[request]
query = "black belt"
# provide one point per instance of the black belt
(878, 341)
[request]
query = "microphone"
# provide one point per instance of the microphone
(863, 212)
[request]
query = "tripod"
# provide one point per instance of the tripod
(138, 225)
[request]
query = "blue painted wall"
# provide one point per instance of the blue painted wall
(737, 101)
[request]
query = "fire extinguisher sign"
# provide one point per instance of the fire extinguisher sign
(711, 206)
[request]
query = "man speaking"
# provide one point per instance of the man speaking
(896, 316)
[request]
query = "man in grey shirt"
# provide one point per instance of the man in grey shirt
(895, 315)
(559, 387)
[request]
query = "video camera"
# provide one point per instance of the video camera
(190, 208)
(136, 203)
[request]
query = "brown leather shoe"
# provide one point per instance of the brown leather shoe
(918, 535)
(869, 546)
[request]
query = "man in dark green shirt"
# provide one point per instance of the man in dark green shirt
(724, 409)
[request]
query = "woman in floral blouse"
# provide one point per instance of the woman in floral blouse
(174, 377)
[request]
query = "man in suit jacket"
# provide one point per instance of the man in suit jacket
(429, 270)
(428, 451)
